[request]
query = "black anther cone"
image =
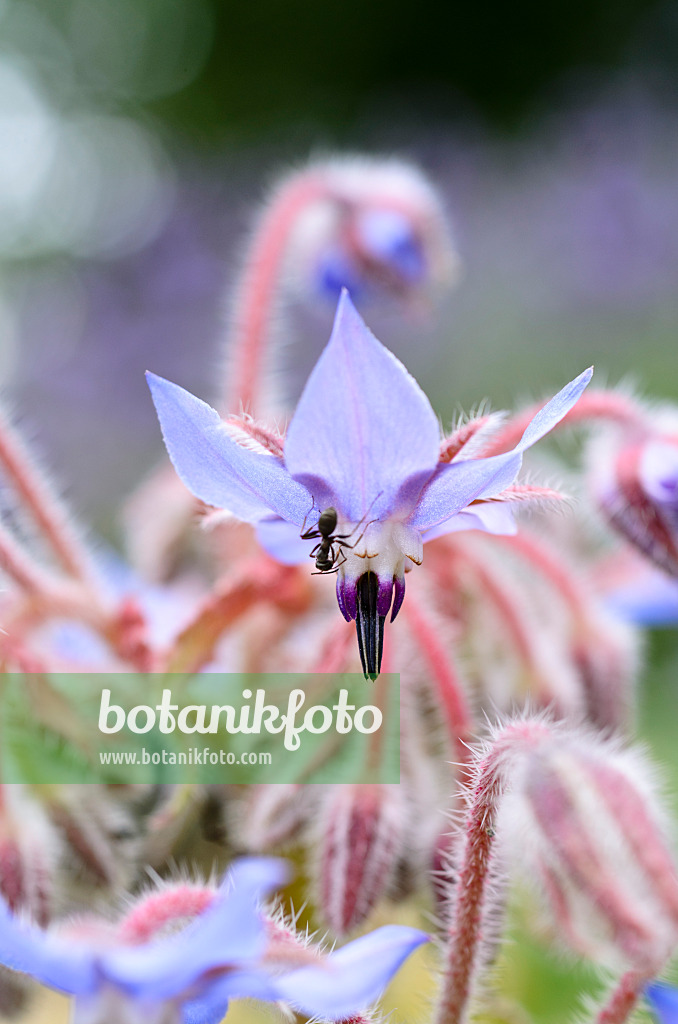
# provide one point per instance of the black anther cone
(370, 626)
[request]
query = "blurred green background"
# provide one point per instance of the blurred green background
(137, 137)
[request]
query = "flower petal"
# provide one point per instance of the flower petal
(659, 472)
(63, 966)
(352, 977)
(230, 932)
(490, 517)
(456, 484)
(283, 542)
(647, 598)
(664, 1001)
(364, 437)
(215, 468)
(212, 1005)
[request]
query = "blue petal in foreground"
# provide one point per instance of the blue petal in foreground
(215, 468)
(211, 1006)
(352, 977)
(364, 437)
(231, 931)
(53, 962)
(455, 485)
(648, 599)
(664, 1001)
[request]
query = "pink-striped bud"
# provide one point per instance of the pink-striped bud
(635, 481)
(273, 816)
(606, 656)
(585, 822)
(361, 838)
(29, 850)
(102, 836)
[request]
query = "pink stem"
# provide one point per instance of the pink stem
(624, 999)
(465, 932)
(40, 501)
(448, 685)
(593, 405)
(25, 573)
(260, 279)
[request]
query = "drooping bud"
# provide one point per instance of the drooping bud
(273, 815)
(373, 226)
(605, 652)
(586, 823)
(29, 849)
(635, 480)
(361, 836)
(102, 836)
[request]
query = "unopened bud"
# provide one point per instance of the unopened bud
(636, 484)
(374, 227)
(273, 816)
(587, 824)
(605, 653)
(360, 842)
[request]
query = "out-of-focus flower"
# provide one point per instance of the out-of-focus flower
(664, 1002)
(373, 226)
(146, 970)
(634, 476)
(363, 445)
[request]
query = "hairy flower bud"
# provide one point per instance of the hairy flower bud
(273, 816)
(373, 226)
(635, 480)
(587, 825)
(360, 842)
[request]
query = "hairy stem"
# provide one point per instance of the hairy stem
(623, 998)
(257, 289)
(465, 931)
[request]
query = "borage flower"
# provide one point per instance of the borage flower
(225, 952)
(361, 461)
(664, 1002)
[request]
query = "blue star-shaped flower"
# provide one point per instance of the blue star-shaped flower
(363, 445)
(189, 977)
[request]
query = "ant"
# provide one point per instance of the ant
(331, 544)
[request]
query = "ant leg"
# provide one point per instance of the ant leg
(310, 535)
(342, 556)
(303, 525)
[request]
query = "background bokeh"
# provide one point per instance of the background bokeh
(137, 137)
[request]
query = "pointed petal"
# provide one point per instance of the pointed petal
(664, 1001)
(61, 965)
(364, 437)
(491, 517)
(230, 932)
(352, 977)
(283, 542)
(215, 468)
(455, 485)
